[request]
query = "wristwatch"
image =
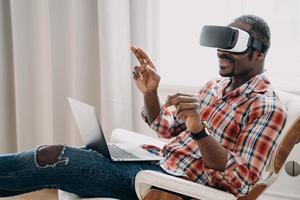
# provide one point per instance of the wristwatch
(203, 133)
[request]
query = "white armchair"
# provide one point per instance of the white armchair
(167, 187)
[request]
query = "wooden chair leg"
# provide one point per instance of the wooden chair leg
(155, 194)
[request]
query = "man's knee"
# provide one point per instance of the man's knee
(49, 155)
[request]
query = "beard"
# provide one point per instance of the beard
(228, 74)
(228, 71)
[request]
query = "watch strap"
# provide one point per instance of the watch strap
(198, 136)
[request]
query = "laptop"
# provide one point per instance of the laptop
(94, 138)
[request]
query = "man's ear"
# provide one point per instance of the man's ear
(260, 56)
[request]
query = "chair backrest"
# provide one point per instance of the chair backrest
(291, 132)
(286, 142)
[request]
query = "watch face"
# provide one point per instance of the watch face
(206, 127)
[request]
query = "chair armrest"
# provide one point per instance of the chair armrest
(126, 136)
(62, 195)
(146, 179)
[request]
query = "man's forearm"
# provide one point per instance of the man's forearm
(151, 101)
(213, 154)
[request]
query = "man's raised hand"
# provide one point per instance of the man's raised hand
(145, 75)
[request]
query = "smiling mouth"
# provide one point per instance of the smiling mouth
(225, 62)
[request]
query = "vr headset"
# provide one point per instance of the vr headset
(230, 39)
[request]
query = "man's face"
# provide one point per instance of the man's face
(233, 64)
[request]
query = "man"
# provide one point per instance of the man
(224, 134)
(242, 111)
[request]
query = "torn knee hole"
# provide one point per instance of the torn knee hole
(49, 155)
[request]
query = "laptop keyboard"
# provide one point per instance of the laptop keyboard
(117, 152)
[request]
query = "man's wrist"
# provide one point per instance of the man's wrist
(152, 105)
(150, 93)
(195, 131)
(199, 135)
(196, 128)
(204, 132)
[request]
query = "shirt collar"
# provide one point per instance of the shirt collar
(258, 84)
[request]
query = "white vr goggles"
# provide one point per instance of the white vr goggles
(230, 39)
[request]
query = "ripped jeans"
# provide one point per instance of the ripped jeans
(77, 170)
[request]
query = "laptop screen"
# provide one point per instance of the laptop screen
(89, 126)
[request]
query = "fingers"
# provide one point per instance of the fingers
(185, 110)
(145, 57)
(183, 115)
(179, 94)
(139, 70)
(136, 73)
(153, 74)
(139, 80)
(180, 98)
(187, 106)
(137, 55)
(142, 56)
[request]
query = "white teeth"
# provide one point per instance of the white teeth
(224, 62)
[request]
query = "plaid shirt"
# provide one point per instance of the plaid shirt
(246, 122)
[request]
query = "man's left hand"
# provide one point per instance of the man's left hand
(188, 110)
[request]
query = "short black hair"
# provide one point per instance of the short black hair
(258, 26)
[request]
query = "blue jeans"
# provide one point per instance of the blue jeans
(83, 172)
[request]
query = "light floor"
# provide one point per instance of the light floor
(39, 195)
